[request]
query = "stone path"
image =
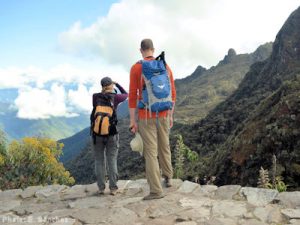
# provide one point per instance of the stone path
(186, 203)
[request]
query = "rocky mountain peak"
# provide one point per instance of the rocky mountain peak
(229, 57)
(286, 48)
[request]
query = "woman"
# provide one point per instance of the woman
(105, 142)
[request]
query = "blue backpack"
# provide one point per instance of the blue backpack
(156, 93)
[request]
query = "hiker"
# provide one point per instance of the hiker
(153, 123)
(105, 137)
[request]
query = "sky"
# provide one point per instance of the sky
(47, 46)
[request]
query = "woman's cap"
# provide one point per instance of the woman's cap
(106, 81)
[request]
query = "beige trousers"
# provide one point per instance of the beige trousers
(155, 135)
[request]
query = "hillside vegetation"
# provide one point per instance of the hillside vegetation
(204, 89)
(259, 120)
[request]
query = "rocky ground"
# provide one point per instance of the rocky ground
(186, 203)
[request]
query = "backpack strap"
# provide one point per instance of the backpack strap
(162, 57)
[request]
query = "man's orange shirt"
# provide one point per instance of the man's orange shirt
(135, 90)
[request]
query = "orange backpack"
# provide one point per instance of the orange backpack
(103, 116)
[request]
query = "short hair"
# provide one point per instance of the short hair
(147, 44)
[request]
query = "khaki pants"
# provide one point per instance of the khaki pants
(155, 135)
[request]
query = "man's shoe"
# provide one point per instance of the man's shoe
(153, 196)
(113, 191)
(168, 182)
(101, 192)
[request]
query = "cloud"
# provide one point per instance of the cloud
(191, 32)
(35, 103)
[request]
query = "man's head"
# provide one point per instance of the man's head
(147, 48)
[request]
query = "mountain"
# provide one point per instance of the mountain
(204, 89)
(258, 121)
(55, 127)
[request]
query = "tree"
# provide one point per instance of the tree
(33, 161)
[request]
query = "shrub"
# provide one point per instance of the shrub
(32, 161)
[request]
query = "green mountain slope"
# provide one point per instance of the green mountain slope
(204, 89)
(259, 119)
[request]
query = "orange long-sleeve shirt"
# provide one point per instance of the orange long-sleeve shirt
(135, 90)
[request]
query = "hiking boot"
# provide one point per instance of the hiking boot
(113, 191)
(168, 182)
(153, 196)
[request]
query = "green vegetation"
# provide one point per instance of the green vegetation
(32, 161)
(205, 89)
(184, 158)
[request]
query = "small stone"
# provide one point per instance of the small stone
(294, 222)
(291, 213)
(206, 190)
(188, 187)
(8, 205)
(268, 214)
(229, 208)
(258, 196)
(251, 222)
(30, 191)
(227, 192)
(289, 199)
(51, 191)
(77, 191)
(10, 194)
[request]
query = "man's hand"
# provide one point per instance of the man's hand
(133, 127)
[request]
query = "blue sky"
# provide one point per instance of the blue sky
(30, 28)
(47, 46)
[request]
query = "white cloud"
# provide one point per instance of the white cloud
(35, 103)
(81, 98)
(191, 32)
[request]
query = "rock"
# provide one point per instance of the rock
(162, 209)
(229, 208)
(122, 185)
(188, 187)
(291, 213)
(295, 222)
(39, 207)
(195, 203)
(187, 223)
(65, 221)
(258, 196)
(52, 192)
(221, 221)
(91, 189)
(30, 191)
(10, 194)
(116, 216)
(89, 202)
(251, 222)
(268, 214)
(77, 191)
(206, 190)
(289, 199)
(8, 205)
(227, 192)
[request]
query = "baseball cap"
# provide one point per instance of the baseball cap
(106, 81)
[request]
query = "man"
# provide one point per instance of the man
(153, 128)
